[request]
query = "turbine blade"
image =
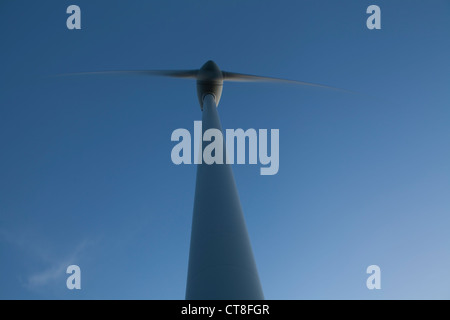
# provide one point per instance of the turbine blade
(188, 74)
(241, 77)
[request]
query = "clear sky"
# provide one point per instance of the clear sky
(86, 176)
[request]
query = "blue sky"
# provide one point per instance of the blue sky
(86, 176)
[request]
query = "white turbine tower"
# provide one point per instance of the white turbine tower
(221, 261)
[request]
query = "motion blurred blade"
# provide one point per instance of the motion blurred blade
(241, 77)
(188, 74)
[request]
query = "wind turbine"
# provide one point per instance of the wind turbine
(221, 261)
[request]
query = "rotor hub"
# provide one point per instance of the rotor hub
(209, 81)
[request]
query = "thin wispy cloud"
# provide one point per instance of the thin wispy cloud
(55, 265)
(56, 270)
